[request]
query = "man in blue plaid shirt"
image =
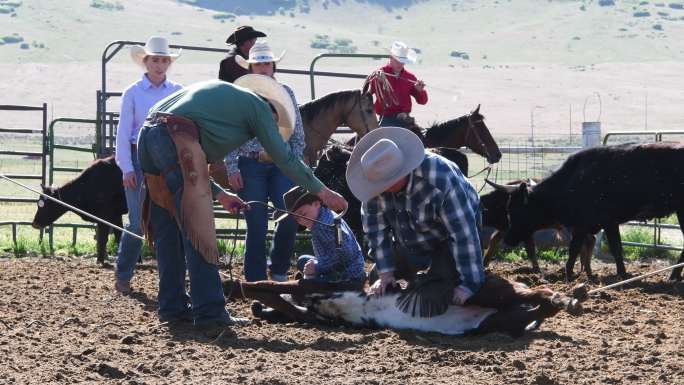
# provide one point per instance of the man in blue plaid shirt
(416, 206)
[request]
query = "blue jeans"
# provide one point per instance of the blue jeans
(172, 247)
(129, 247)
(390, 121)
(264, 181)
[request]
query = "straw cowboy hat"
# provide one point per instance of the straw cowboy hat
(259, 53)
(294, 198)
(242, 34)
(155, 46)
(381, 158)
(402, 53)
(271, 90)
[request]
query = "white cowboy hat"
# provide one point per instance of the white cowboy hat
(381, 158)
(274, 92)
(155, 46)
(403, 53)
(259, 53)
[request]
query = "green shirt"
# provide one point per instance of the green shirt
(228, 116)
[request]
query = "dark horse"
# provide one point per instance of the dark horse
(322, 116)
(332, 165)
(466, 131)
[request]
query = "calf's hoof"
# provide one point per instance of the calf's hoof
(574, 307)
(580, 292)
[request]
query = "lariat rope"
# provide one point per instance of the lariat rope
(70, 207)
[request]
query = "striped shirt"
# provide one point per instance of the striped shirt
(335, 263)
(438, 204)
(136, 102)
(296, 141)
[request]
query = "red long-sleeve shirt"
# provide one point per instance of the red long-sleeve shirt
(403, 87)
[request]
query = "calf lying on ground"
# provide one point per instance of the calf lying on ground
(500, 306)
(98, 190)
(495, 215)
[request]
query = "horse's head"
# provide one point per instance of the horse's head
(469, 131)
(360, 116)
(479, 139)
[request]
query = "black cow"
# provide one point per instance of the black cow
(600, 188)
(495, 215)
(98, 190)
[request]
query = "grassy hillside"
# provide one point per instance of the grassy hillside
(574, 32)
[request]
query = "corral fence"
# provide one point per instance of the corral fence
(104, 129)
(25, 156)
(107, 120)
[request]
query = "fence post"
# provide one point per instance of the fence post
(591, 131)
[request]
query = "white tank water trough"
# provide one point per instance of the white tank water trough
(591, 131)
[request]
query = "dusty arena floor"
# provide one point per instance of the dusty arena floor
(61, 322)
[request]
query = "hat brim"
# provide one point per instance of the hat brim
(411, 147)
(301, 201)
(250, 35)
(244, 63)
(138, 54)
(274, 92)
(409, 59)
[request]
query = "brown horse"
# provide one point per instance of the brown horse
(322, 116)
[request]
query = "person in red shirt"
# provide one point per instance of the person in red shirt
(394, 86)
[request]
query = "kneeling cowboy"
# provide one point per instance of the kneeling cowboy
(195, 126)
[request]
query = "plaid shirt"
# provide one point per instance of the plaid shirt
(296, 141)
(438, 204)
(336, 263)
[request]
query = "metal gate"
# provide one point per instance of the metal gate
(32, 156)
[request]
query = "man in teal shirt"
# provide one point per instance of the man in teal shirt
(227, 116)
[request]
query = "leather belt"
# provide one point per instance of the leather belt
(260, 156)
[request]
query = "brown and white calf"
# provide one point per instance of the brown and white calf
(500, 306)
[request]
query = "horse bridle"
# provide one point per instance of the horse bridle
(363, 116)
(472, 129)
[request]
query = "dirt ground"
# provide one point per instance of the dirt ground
(61, 322)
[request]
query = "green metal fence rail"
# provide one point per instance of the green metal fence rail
(312, 74)
(53, 168)
(42, 155)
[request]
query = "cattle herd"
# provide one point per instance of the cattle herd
(594, 189)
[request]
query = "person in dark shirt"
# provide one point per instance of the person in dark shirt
(241, 41)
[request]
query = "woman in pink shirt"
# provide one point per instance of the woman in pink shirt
(136, 101)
